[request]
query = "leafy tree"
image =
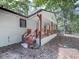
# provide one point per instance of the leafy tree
(20, 6)
(66, 6)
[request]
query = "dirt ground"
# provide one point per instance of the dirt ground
(58, 48)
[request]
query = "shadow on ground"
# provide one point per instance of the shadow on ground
(58, 48)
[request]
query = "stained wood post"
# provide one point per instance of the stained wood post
(40, 24)
(40, 18)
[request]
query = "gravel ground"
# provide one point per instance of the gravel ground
(58, 48)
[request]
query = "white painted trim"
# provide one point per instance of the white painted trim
(47, 39)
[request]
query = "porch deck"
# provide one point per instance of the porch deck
(58, 48)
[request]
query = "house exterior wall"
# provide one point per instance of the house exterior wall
(47, 17)
(47, 39)
(31, 22)
(10, 31)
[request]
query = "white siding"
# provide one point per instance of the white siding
(47, 17)
(47, 39)
(10, 31)
(31, 22)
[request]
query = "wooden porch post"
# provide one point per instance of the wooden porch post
(40, 24)
(40, 27)
(40, 18)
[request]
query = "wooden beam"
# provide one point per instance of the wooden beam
(40, 18)
(40, 24)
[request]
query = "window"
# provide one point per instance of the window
(23, 23)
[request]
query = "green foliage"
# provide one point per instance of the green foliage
(74, 24)
(20, 6)
(38, 3)
(64, 4)
(67, 7)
